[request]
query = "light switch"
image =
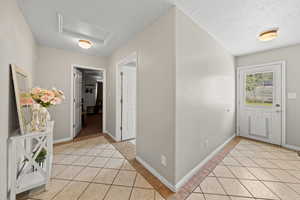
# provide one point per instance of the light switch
(292, 95)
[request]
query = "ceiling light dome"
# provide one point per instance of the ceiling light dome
(85, 44)
(268, 35)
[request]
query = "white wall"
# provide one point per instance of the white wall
(54, 70)
(205, 88)
(17, 47)
(155, 48)
(292, 57)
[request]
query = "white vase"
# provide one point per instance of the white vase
(35, 121)
(44, 118)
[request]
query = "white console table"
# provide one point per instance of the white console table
(25, 173)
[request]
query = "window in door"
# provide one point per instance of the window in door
(259, 89)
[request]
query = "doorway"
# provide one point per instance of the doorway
(126, 98)
(261, 102)
(88, 107)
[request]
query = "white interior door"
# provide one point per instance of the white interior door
(260, 103)
(128, 102)
(77, 101)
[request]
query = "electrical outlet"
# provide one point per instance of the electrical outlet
(163, 160)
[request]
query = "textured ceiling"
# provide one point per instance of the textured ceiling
(234, 23)
(122, 19)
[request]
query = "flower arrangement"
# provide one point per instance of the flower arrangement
(47, 98)
(43, 97)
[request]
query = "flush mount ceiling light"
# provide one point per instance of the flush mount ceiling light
(85, 44)
(268, 35)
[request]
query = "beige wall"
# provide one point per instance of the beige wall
(54, 70)
(205, 89)
(292, 57)
(155, 48)
(18, 47)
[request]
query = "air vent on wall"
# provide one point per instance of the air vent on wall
(80, 29)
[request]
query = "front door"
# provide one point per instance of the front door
(128, 103)
(260, 102)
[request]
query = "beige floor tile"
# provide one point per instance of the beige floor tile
(71, 191)
(295, 173)
(196, 196)
(106, 176)
(258, 189)
(95, 192)
(118, 193)
(52, 189)
(246, 162)
(98, 162)
(262, 174)
(198, 190)
(114, 163)
(265, 163)
(87, 174)
(282, 191)
(216, 197)
(158, 196)
(107, 153)
(241, 198)
(241, 172)
(81, 151)
(70, 172)
(230, 161)
(57, 169)
(127, 166)
(283, 164)
(58, 158)
(117, 154)
(295, 187)
(142, 182)
(223, 171)
(142, 194)
(283, 176)
(109, 146)
(211, 185)
(125, 178)
(94, 152)
(83, 160)
(68, 159)
(234, 187)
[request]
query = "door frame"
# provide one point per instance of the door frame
(72, 134)
(132, 57)
(283, 96)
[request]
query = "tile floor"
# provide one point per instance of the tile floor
(253, 170)
(244, 170)
(93, 169)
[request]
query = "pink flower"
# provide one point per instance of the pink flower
(56, 101)
(26, 100)
(46, 98)
(36, 91)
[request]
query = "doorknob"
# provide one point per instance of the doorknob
(277, 105)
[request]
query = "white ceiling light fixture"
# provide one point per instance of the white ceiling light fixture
(85, 44)
(268, 35)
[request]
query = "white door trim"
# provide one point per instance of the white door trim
(283, 78)
(132, 57)
(72, 134)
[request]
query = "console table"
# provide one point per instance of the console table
(30, 160)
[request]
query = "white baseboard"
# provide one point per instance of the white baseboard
(292, 147)
(110, 135)
(63, 140)
(189, 175)
(156, 174)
